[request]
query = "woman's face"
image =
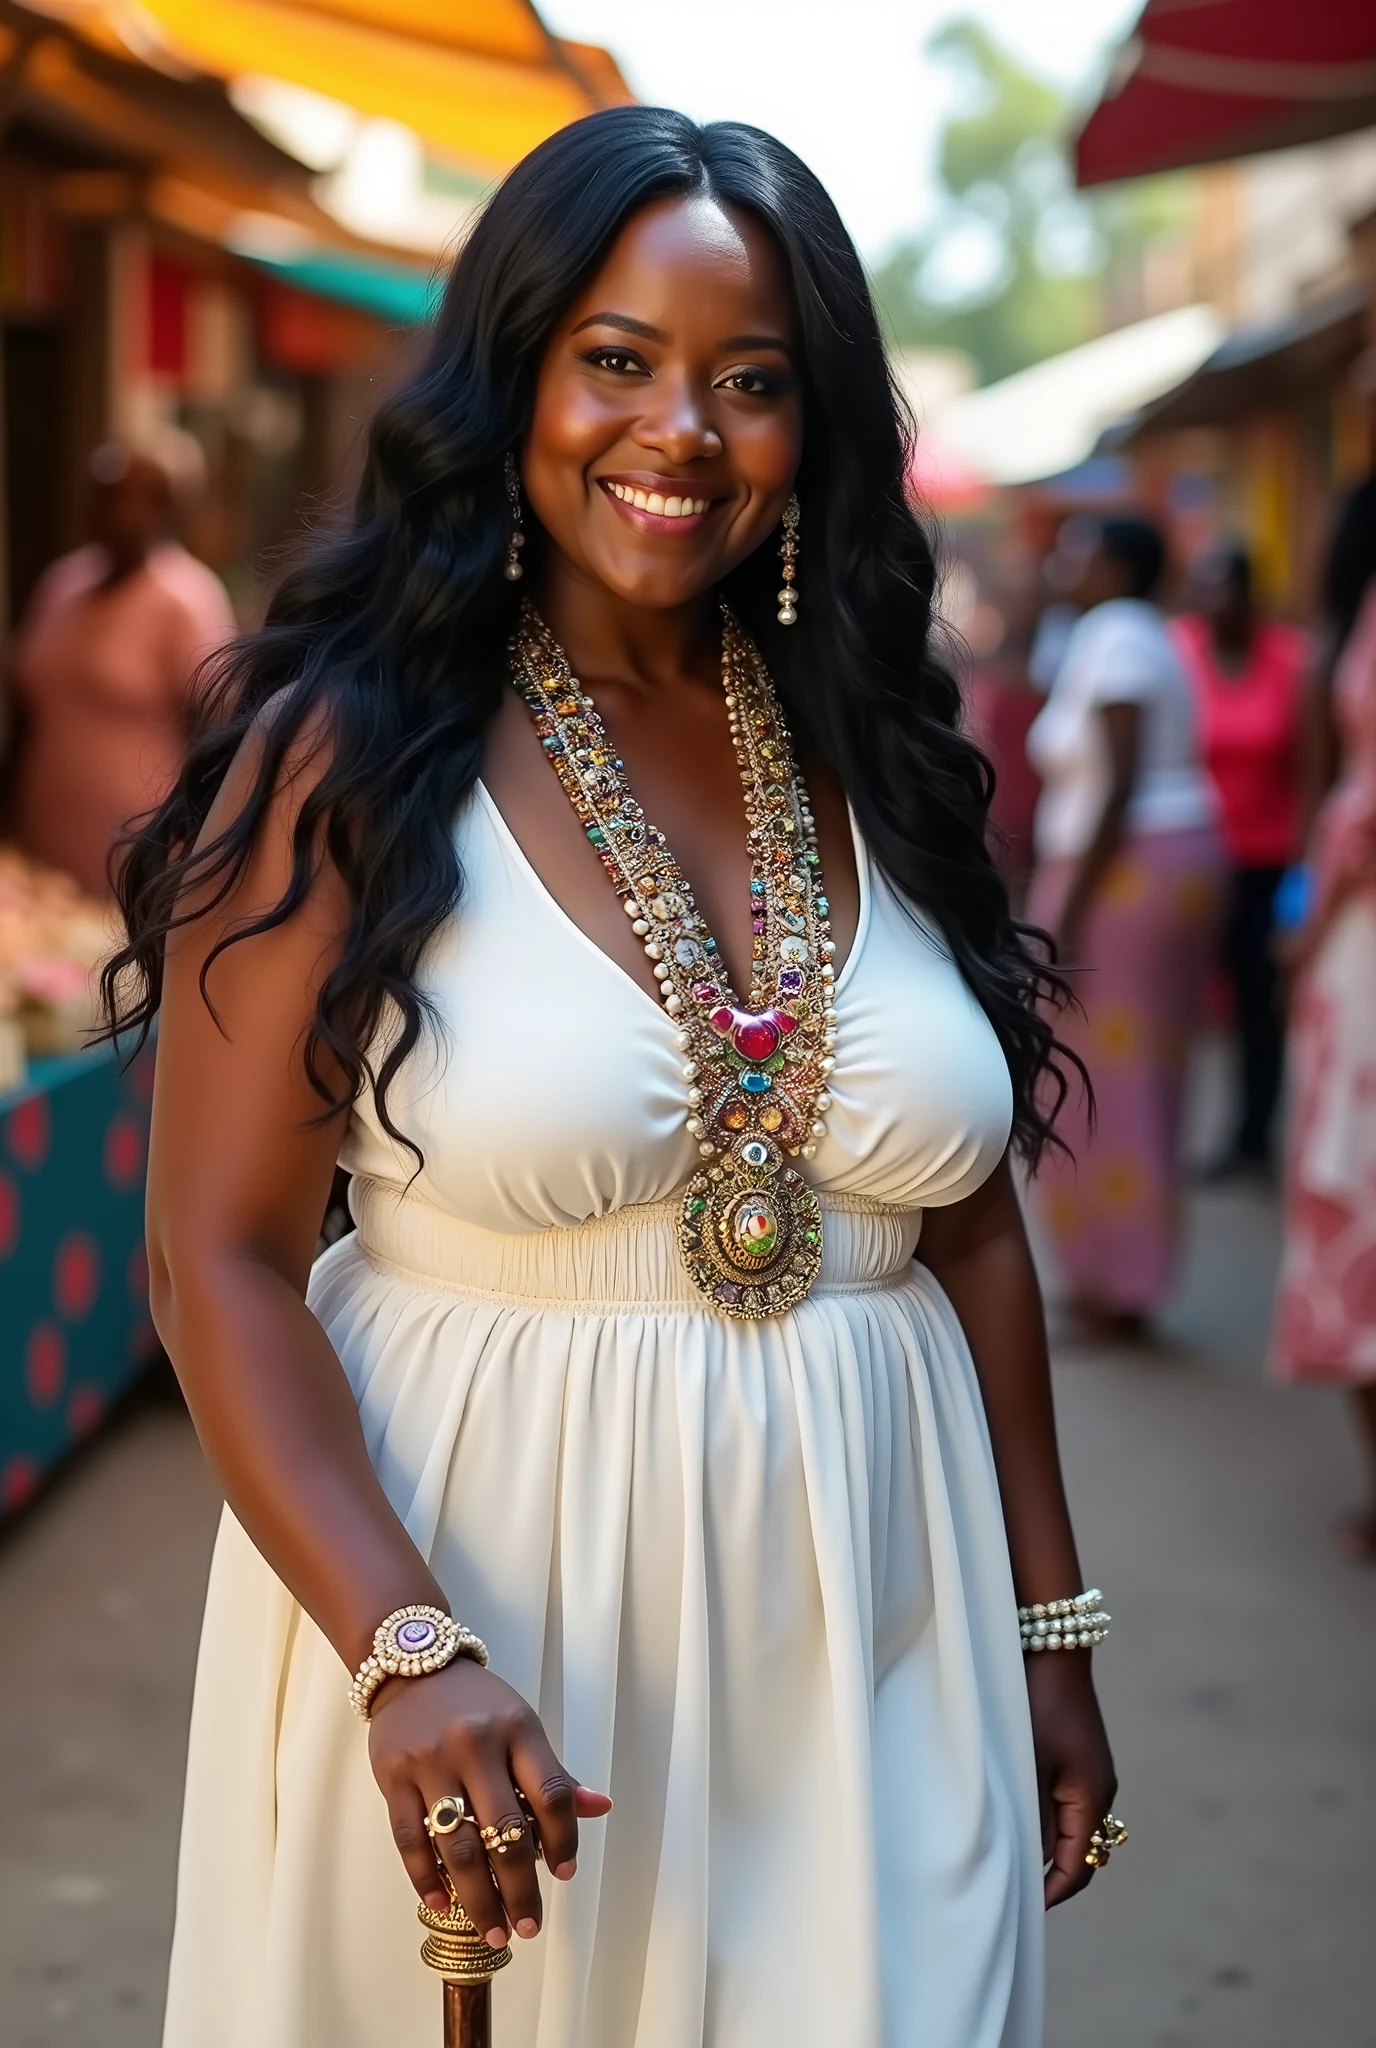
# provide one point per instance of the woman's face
(668, 417)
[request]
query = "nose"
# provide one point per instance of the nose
(677, 422)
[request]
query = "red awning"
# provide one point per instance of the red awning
(1199, 80)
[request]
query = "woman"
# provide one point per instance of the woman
(1326, 1306)
(728, 1526)
(1247, 674)
(1128, 879)
(103, 667)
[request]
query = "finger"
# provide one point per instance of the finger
(465, 1859)
(407, 1812)
(552, 1795)
(1077, 1816)
(512, 1858)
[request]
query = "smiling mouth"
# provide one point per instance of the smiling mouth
(658, 504)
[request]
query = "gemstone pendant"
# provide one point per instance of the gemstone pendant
(752, 1239)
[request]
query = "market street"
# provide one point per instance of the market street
(1238, 1683)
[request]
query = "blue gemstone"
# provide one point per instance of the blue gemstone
(553, 746)
(756, 1084)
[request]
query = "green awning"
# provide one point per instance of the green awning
(396, 292)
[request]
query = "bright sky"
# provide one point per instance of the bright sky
(845, 83)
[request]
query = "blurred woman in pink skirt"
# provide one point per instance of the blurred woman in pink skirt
(1129, 881)
(1326, 1307)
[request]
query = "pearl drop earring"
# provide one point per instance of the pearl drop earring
(788, 596)
(517, 539)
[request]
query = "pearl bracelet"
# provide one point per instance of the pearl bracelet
(409, 1643)
(1078, 1624)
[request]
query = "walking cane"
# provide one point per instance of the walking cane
(467, 1963)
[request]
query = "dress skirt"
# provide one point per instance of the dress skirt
(755, 1578)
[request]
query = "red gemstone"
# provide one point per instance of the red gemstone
(756, 1038)
(722, 1018)
(705, 991)
(785, 1021)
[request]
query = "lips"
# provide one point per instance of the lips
(660, 505)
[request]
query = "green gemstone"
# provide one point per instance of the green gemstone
(809, 1237)
(696, 1206)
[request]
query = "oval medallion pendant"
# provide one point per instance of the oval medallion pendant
(750, 1235)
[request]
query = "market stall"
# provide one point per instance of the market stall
(74, 1324)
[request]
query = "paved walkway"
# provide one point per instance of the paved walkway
(1239, 1683)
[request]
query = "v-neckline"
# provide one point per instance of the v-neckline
(523, 862)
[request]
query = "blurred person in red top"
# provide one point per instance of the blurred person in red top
(1247, 673)
(104, 663)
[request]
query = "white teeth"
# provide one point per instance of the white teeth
(662, 507)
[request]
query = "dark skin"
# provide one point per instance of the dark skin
(692, 386)
(130, 517)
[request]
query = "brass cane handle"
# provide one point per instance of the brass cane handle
(454, 1947)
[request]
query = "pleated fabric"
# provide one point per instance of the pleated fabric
(753, 1576)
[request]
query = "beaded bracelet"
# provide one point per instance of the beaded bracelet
(1078, 1624)
(410, 1642)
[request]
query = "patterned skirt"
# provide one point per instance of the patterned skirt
(1325, 1325)
(1111, 1209)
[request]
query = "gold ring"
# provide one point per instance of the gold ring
(447, 1814)
(496, 1841)
(1108, 1836)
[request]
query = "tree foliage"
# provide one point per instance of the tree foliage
(1015, 265)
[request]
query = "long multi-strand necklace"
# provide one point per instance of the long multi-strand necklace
(750, 1228)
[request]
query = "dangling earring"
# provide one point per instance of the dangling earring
(788, 596)
(517, 539)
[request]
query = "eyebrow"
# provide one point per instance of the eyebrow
(625, 324)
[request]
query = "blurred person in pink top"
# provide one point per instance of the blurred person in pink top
(104, 664)
(1247, 673)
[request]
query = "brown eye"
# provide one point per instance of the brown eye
(622, 362)
(755, 383)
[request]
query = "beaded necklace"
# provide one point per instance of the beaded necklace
(750, 1227)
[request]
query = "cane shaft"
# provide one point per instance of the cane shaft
(467, 2016)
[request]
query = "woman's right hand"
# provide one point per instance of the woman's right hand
(464, 1730)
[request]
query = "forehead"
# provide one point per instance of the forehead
(690, 264)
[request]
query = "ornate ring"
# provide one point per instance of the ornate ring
(447, 1814)
(1108, 1836)
(498, 1840)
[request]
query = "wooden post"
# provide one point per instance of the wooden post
(454, 1949)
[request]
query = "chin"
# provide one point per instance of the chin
(657, 591)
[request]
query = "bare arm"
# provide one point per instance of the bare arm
(1122, 724)
(978, 1250)
(239, 1172)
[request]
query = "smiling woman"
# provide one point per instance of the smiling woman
(625, 1445)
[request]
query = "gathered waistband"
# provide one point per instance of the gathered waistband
(627, 1260)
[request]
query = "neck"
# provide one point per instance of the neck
(609, 639)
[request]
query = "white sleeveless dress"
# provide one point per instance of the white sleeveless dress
(753, 1576)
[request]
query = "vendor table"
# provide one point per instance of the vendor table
(74, 1322)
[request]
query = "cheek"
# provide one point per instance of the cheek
(766, 452)
(570, 427)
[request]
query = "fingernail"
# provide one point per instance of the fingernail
(526, 1929)
(438, 1902)
(496, 1937)
(566, 1869)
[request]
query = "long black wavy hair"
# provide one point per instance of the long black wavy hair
(389, 636)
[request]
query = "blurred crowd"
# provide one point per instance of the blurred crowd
(1187, 804)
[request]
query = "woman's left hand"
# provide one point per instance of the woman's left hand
(1076, 1780)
